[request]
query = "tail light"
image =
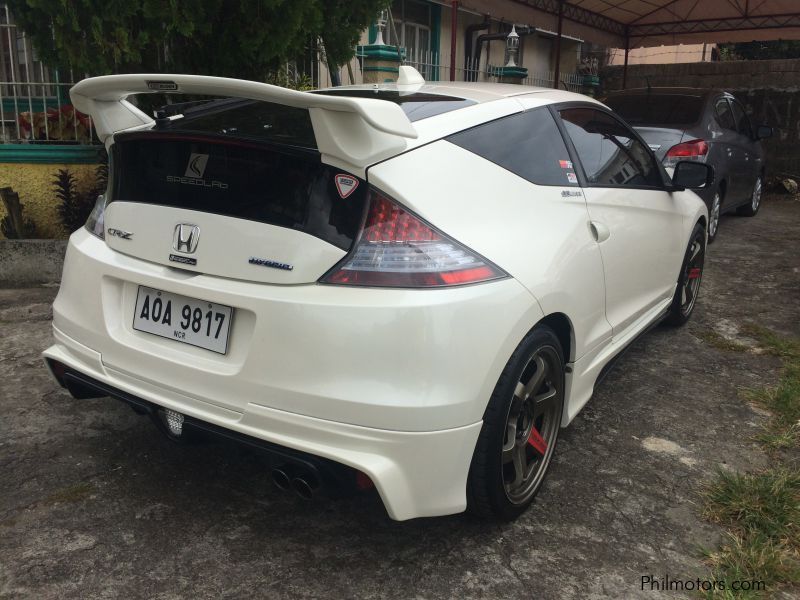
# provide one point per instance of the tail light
(696, 150)
(397, 249)
(96, 220)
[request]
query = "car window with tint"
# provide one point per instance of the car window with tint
(740, 117)
(528, 144)
(724, 115)
(609, 151)
(657, 109)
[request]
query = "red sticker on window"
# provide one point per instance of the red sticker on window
(345, 184)
(565, 164)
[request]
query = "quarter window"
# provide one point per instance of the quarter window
(609, 152)
(527, 144)
(724, 115)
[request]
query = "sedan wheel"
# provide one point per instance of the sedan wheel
(520, 429)
(713, 216)
(750, 210)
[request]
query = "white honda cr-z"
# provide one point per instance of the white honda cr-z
(409, 285)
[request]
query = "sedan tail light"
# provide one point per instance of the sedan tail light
(397, 249)
(696, 150)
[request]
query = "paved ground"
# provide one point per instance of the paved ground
(94, 503)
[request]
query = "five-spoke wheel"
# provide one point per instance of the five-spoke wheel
(520, 428)
(689, 278)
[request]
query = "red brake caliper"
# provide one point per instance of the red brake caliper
(694, 273)
(537, 441)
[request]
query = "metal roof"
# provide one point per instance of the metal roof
(654, 22)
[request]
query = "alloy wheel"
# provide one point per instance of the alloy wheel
(532, 426)
(713, 218)
(756, 195)
(692, 274)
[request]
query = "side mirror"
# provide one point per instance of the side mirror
(763, 132)
(692, 175)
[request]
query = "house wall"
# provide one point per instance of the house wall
(463, 20)
(682, 53)
(34, 184)
(537, 49)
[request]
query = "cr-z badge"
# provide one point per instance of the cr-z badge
(125, 235)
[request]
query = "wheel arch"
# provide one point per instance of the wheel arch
(722, 186)
(561, 324)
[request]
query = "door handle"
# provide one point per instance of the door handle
(600, 232)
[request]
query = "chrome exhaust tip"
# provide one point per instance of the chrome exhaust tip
(282, 479)
(305, 487)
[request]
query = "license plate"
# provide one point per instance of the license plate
(186, 320)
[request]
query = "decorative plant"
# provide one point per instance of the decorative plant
(289, 77)
(60, 124)
(74, 206)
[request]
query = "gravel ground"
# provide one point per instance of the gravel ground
(95, 503)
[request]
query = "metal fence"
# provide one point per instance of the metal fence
(435, 66)
(34, 103)
(40, 113)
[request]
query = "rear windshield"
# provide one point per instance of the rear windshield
(250, 119)
(657, 109)
(416, 105)
(270, 184)
(289, 126)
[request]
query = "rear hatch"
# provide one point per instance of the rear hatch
(235, 188)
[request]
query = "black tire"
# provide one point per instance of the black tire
(525, 386)
(714, 214)
(685, 298)
(751, 208)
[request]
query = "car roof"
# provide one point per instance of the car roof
(478, 92)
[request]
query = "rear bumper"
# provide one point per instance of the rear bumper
(405, 360)
(393, 383)
(417, 474)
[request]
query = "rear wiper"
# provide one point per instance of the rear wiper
(180, 108)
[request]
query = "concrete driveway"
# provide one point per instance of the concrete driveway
(95, 503)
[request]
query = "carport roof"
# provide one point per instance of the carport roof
(655, 22)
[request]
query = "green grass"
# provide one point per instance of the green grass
(715, 340)
(762, 515)
(783, 400)
(761, 512)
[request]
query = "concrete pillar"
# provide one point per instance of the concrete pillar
(510, 74)
(380, 63)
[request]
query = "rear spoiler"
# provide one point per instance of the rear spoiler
(350, 132)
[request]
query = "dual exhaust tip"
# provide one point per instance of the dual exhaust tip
(304, 483)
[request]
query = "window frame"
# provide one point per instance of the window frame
(717, 118)
(735, 103)
(583, 181)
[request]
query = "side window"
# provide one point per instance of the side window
(609, 151)
(724, 115)
(528, 144)
(740, 117)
